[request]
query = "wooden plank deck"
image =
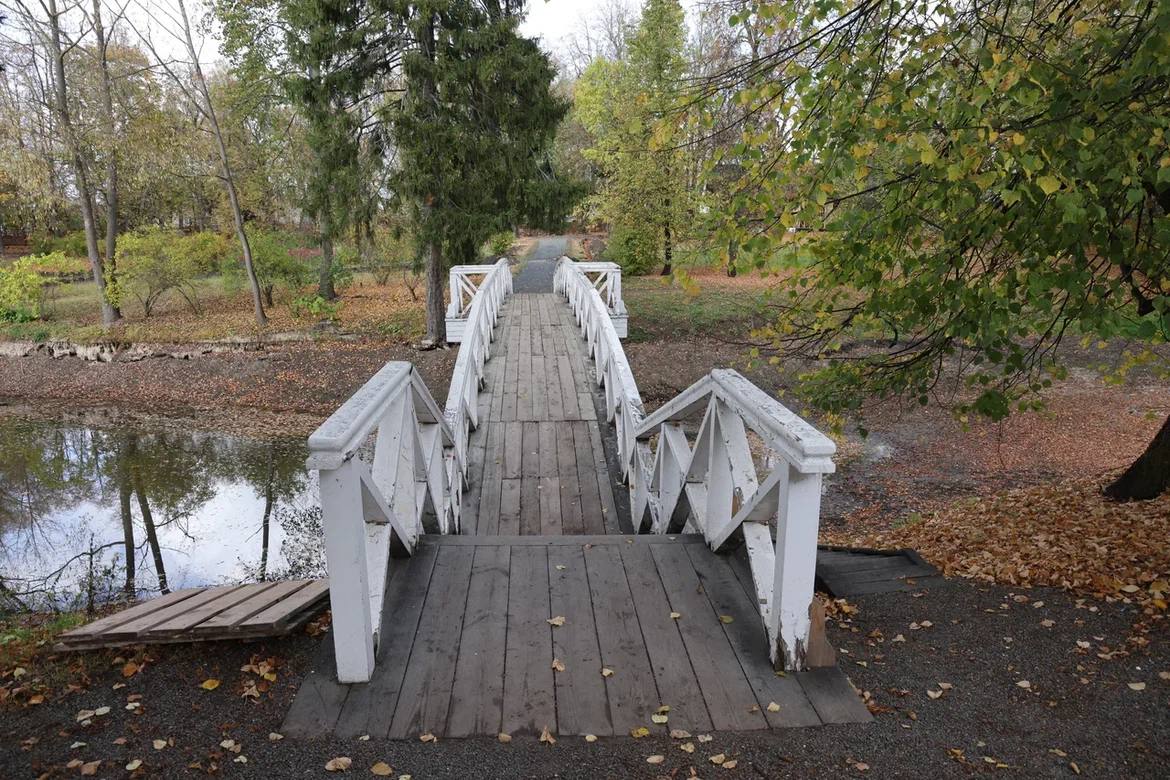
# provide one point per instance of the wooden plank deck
(537, 462)
(261, 609)
(468, 649)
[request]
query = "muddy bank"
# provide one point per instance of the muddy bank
(269, 391)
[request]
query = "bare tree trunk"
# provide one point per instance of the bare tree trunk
(85, 194)
(667, 246)
(266, 523)
(229, 181)
(436, 315)
(1148, 476)
(151, 535)
(111, 156)
(325, 286)
(732, 254)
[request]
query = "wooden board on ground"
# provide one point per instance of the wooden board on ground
(843, 571)
(253, 611)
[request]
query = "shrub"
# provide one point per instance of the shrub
(58, 264)
(71, 244)
(499, 244)
(633, 247)
(21, 292)
(394, 250)
(154, 261)
(276, 261)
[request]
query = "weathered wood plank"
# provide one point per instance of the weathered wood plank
(509, 507)
(582, 703)
(530, 459)
(513, 450)
(833, 696)
(277, 615)
(592, 518)
(730, 699)
(129, 615)
(425, 697)
(746, 635)
(633, 695)
(605, 482)
(668, 655)
(529, 698)
(549, 489)
(256, 601)
(489, 503)
(530, 506)
(478, 691)
(320, 698)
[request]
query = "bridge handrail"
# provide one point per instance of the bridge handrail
(412, 484)
(713, 486)
(462, 409)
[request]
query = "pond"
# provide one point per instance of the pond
(90, 515)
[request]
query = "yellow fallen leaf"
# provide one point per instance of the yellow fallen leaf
(773, 707)
(547, 737)
(726, 619)
(934, 694)
(557, 621)
(659, 719)
(428, 737)
(606, 671)
(1024, 684)
(687, 747)
(590, 737)
(639, 732)
(730, 764)
(274, 736)
(134, 764)
(90, 767)
(655, 759)
(381, 769)
(505, 738)
(718, 758)
(1137, 686)
(675, 615)
(130, 669)
(159, 744)
(705, 737)
(210, 684)
(680, 734)
(339, 764)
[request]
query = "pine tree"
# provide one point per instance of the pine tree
(474, 133)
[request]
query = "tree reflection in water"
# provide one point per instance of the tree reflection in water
(89, 515)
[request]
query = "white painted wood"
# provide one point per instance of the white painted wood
(795, 569)
(349, 586)
(714, 487)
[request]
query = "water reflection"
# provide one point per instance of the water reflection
(90, 515)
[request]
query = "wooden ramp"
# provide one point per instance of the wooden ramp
(537, 460)
(199, 614)
(474, 644)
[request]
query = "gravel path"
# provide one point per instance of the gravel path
(536, 273)
(981, 641)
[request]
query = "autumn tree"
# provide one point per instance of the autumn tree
(976, 183)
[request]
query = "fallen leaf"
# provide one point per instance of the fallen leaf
(655, 759)
(130, 669)
(210, 684)
(428, 737)
(934, 694)
(77, 745)
(240, 759)
(606, 671)
(861, 766)
(718, 758)
(364, 738)
(558, 665)
(274, 736)
(679, 734)
(547, 737)
(639, 732)
(1137, 686)
(90, 767)
(381, 769)
(557, 621)
(590, 737)
(687, 747)
(561, 567)
(705, 737)
(505, 738)
(339, 764)
(101, 711)
(37, 699)
(726, 619)
(773, 707)
(675, 615)
(159, 744)
(1024, 684)
(730, 764)
(659, 719)
(130, 767)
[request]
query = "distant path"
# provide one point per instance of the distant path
(536, 275)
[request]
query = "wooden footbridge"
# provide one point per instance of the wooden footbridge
(541, 553)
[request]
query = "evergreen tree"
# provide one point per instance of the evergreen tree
(474, 133)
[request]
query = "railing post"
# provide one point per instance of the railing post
(343, 519)
(796, 559)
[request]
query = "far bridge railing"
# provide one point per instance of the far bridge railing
(748, 464)
(377, 499)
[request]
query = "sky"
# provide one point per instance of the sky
(552, 20)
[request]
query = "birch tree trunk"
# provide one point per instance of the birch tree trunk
(109, 131)
(229, 181)
(80, 173)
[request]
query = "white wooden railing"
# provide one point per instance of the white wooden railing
(411, 484)
(606, 278)
(463, 282)
(717, 485)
